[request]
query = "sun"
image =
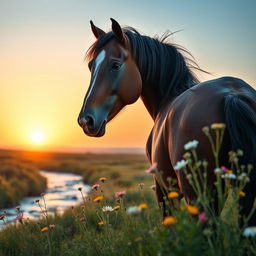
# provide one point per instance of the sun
(37, 137)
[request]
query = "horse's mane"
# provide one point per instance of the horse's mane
(161, 63)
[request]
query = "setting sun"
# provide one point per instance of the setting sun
(37, 137)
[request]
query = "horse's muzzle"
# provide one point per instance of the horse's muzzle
(91, 127)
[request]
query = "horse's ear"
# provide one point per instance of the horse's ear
(117, 30)
(96, 31)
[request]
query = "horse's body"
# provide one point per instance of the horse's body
(126, 65)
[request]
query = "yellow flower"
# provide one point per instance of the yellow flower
(117, 207)
(192, 209)
(97, 199)
(242, 193)
(218, 126)
(229, 171)
(102, 179)
(143, 206)
(137, 239)
(169, 220)
(173, 194)
(44, 229)
(101, 223)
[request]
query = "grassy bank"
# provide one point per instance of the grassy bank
(18, 180)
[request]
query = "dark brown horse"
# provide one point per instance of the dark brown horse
(126, 65)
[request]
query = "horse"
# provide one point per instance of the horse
(126, 65)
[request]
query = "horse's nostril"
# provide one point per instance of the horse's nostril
(89, 121)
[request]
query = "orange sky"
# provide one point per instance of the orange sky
(43, 78)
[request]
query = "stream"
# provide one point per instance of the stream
(61, 193)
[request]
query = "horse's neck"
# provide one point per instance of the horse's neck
(152, 101)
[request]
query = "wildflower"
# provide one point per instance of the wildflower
(218, 126)
(224, 169)
(179, 165)
(134, 210)
(52, 226)
(120, 194)
(137, 239)
(242, 193)
(152, 169)
(191, 145)
(95, 186)
(141, 185)
(80, 188)
(97, 199)
(229, 176)
(173, 194)
(107, 209)
(44, 229)
(117, 207)
(169, 220)
(243, 177)
(153, 187)
(143, 206)
(205, 129)
(82, 219)
(187, 155)
(19, 217)
(217, 170)
(202, 217)
(101, 223)
(102, 179)
(249, 231)
(189, 176)
(240, 152)
(192, 209)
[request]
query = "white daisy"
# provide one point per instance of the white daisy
(249, 231)
(191, 145)
(107, 209)
(179, 165)
(134, 210)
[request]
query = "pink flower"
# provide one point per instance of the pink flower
(82, 219)
(95, 186)
(52, 226)
(202, 217)
(152, 169)
(224, 169)
(19, 217)
(120, 194)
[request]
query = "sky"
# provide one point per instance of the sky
(43, 76)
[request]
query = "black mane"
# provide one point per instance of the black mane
(161, 64)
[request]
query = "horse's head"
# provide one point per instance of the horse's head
(115, 80)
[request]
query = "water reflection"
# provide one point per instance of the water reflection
(62, 193)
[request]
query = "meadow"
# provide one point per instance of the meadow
(121, 215)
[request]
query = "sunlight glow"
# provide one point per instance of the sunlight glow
(37, 137)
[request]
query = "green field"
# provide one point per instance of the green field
(132, 224)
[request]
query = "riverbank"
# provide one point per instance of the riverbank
(17, 180)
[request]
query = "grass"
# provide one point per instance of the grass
(18, 180)
(135, 225)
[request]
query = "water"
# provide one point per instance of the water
(61, 193)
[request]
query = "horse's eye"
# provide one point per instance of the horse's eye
(115, 66)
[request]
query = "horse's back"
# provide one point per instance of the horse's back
(199, 106)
